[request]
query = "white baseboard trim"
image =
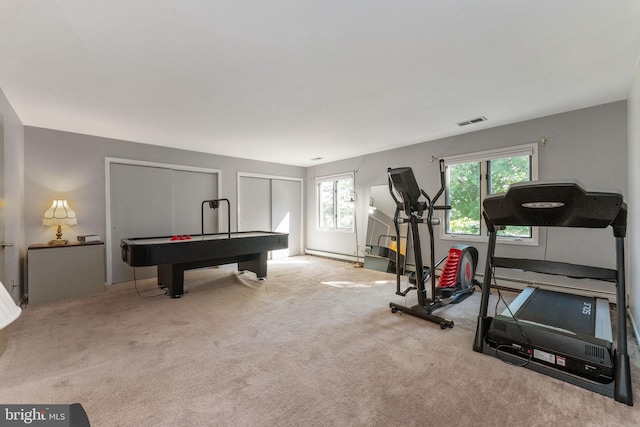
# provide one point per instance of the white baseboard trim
(334, 255)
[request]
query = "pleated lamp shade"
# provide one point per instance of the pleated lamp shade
(59, 214)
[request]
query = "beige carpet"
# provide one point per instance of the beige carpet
(314, 345)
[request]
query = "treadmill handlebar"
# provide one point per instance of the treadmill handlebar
(556, 204)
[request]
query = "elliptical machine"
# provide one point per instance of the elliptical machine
(457, 279)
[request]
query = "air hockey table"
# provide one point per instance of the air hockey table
(173, 255)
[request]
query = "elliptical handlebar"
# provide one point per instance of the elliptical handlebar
(442, 188)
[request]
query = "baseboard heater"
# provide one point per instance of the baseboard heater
(334, 255)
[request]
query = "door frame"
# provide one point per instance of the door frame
(108, 161)
(3, 280)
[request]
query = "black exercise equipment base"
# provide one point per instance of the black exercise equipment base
(423, 313)
(608, 389)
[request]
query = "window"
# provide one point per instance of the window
(336, 202)
(470, 178)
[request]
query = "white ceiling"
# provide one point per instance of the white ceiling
(291, 80)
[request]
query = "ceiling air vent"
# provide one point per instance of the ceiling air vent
(472, 121)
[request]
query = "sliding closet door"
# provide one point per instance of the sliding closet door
(285, 214)
(271, 204)
(254, 204)
(190, 189)
(150, 201)
(138, 209)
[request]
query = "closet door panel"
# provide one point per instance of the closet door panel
(150, 201)
(254, 204)
(285, 213)
(138, 209)
(190, 189)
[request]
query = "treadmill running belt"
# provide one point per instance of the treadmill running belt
(575, 313)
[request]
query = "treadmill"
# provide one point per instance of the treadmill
(562, 335)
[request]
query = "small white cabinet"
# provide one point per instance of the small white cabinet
(66, 271)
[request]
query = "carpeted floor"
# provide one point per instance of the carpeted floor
(315, 344)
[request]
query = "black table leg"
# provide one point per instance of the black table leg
(256, 263)
(171, 277)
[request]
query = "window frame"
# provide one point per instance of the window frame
(483, 157)
(336, 205)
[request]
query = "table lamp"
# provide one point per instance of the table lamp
(59, 214)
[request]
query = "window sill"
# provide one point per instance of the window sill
(335, 230)
(485, 239)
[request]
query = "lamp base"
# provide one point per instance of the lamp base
(58, 242)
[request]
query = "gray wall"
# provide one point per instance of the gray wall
(14, 196)
(72, 166)
(589, 145)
